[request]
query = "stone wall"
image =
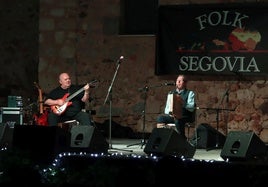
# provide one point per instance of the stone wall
(18, 48)
(81, 37)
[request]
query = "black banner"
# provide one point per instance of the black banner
(212, 39)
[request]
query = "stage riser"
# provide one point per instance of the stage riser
(44, 143)
(149, 171)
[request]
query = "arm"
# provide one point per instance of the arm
(86, 93)
(51, 102)
(190, 105)
(167, 107)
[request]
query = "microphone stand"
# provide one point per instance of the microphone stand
(145, 91)
(143, 141)
(227, 103)
(109, 96)
(226, 93)
(217, 144)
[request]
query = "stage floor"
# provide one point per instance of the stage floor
(136, 146)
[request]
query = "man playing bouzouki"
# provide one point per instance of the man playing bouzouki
(67, 101)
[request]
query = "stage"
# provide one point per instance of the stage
(136, 147)
(42, 156)
(126, 164)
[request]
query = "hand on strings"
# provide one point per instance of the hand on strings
(86, 87)
(60, 102)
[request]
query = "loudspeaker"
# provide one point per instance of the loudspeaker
(42, 143)
(243, 146)
(165, 141)
(89, 139)
(208, 137)
(6, 136)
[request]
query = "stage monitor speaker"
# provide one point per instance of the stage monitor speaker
(243, 146)
(165, 141)
(6, 136)
(208, 137)
(88, 139)
(42, 143)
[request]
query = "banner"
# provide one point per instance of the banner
(212, 39)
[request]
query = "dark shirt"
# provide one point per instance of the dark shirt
(76, 106)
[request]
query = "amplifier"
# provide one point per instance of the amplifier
(11, 115)
(14, 101)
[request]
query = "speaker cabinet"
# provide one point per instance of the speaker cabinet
(208, 137)
(243, 146)
(6, 136)
(89, 139)
(42, 143)
(165, 141)
(11, 115)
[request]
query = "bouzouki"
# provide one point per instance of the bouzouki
(60, 109)
(41, 118)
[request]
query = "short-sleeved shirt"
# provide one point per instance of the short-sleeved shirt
(76, 105)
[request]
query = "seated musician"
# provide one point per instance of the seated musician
(65, 108)
(180, 107)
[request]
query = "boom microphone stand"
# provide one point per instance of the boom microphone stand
(109, 96)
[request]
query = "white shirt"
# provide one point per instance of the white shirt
(190, 103)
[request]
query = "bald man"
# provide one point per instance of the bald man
(64, 108)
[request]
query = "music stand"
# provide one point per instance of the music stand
(109, 96)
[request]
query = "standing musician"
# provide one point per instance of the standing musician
(183, 101)
(63, 109)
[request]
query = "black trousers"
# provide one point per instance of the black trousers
(179, 123)
(82, 117)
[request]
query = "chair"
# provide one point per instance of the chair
(188, 125)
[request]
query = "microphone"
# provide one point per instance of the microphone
(119, 60)
(169, 83)
(145, 88)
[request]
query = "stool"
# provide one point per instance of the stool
(67, 125)
(169, 126)
(173, 126)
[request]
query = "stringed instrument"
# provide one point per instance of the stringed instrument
(41, 118)
(60, 109)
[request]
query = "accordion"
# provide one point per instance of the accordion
(175, 105)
